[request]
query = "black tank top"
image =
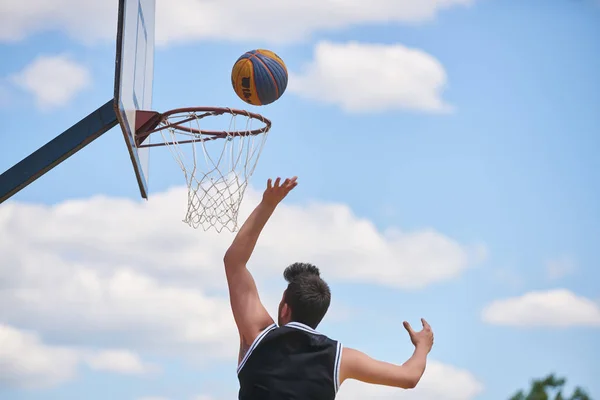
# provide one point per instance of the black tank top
(292, 362)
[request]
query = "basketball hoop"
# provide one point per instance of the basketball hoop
(216, 175)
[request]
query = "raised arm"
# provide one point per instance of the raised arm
(357, 365)
(250, 315)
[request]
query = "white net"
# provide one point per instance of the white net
(216, 170)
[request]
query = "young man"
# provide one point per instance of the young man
(290, 360)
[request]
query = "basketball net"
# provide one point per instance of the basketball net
(216, 170)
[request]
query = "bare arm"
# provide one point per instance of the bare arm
(359, 366)
(250, 315)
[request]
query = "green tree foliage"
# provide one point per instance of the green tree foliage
(550, 388)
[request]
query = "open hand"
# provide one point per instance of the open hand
(276, 192)
(423, 338)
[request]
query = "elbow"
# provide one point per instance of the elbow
(228, 259)
(231, 255)
(412, 382)
(409, 381)
(232, 259)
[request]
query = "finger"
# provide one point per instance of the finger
(277, 182)
(425, 324)
(286, 183)
(408, 328)
(269, 183)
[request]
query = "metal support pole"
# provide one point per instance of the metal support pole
(57, 150)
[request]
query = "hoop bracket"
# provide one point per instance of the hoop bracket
(145, 122)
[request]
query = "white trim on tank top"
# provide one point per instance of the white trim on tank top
(301, 326)
(338, 353)
(336, 366)
(255, 343)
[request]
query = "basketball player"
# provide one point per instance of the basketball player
(290, 360)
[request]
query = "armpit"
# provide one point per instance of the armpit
(244, 347)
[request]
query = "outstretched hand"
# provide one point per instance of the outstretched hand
(276, 192)
(423, 338)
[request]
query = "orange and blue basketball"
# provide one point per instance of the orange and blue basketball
(259, 77)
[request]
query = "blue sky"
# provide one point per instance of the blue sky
(482, 219)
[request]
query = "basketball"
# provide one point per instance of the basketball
(259, 77)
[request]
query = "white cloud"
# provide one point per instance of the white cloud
(26, 362)
(133, 274)
(81, 20)
(440, 382)
(137, 308)
(119, 361)
(199, 397)
(361, 77)
(559, 268)
(152, 398)
(552, 308)
(268, 21)
(186, 20)
(53, 80)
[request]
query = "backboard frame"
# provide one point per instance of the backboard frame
(125, 115)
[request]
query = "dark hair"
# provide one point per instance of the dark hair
(307, 295)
